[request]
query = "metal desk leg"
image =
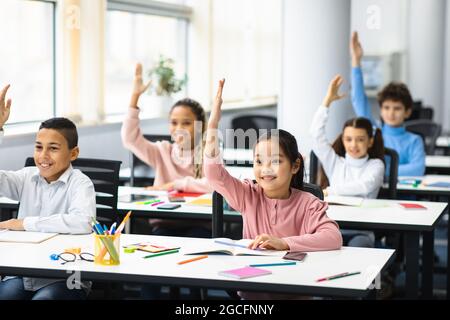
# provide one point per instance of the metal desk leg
(427, 265)
(412, 264)
(448, 249)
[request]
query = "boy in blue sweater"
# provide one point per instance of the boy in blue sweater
(396, 105)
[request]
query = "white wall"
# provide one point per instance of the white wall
(426, 52)
(315, 48)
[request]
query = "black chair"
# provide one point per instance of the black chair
(105, 177)
(428, 130)
(391, 158)
(255, 122)
(141, 174)
(421, 112)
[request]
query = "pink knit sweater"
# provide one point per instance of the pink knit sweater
(300, 220)
(165, 157)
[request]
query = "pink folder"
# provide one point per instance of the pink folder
(243, 273)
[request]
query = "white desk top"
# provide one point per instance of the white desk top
(428, 179)
(437, 161)
(161, 195)
(7, 201)
(133, 266)
(242, 155)
(443, 141)
(381, 211)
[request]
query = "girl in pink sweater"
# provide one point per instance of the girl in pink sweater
(276, 213)
(178, 165)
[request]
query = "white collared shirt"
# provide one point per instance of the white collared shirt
(63, 206)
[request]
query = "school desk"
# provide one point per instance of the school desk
(443, 143)
(384, 215)
(437, 164)
(34, 261)
(422, 190)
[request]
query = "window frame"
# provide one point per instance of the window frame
(158, 9)
(53, 3)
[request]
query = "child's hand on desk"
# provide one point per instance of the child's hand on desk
(5, 106)
(13, 224)
(165, 187)
(269, 242)
(138, 86)
(333, 91)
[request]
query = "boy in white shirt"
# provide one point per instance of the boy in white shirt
(53, 197)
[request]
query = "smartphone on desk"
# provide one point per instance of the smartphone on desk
(297, 256)
(169, 206)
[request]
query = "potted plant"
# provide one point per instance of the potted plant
(164, 84)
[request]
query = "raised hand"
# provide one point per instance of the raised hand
(216, 110)
(138, 85)
(212, 144)
(5, 106)
(333, 91)
(356, 50)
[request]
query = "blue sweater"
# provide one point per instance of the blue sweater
(409, 146)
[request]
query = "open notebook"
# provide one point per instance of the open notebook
(231, 247)
(24, 236)
(344, 201)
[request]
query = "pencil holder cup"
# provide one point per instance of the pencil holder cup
(107, 250)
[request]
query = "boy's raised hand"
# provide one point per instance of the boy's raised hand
(5, 106)
(356, 50)
(216, 110)
(138, 85)
(333, 91)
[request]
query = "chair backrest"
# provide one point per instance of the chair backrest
(217, 213)
(313, 167)
(104, 174)
(391, 159)
(428, 130)
(256, 122)
(137, 165)
(392, 162)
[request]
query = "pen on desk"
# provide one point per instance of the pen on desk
(161, 253)
(192, 260)
(273, 264)
(157, 203)
(337, 276)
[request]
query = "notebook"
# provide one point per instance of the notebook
(344, 201)
(230, 247)
(244, 273)
(440, 184)
(152, 248)
(203, 201)
(25, 236)
(412, 206)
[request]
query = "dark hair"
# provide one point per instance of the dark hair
(374, 152)
(65, 127)
(396, 91)
(199, 113)
(288, 144)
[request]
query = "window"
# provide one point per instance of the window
(247, 49)
(133, 37)
(27, 58)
